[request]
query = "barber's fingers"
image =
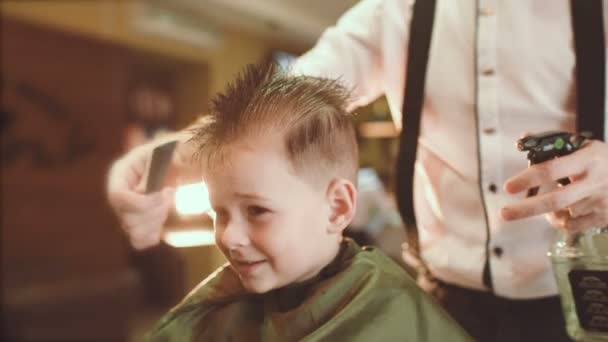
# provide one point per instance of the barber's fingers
(146, 234)
(144, 221)
(150, 240)
(145, 229)
(525, 134)
(126, 201)
(583, 207)
(127, 173)
(593, 220)
(135, 212)
(588, 217)
(559, 218)
(133, 219)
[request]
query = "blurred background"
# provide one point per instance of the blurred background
(84, 81)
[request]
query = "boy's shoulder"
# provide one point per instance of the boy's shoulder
(368, 267)
(379, 301)
(218, 289)
(373, 261)
(362, 296)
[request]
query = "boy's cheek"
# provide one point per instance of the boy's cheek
(219, 244)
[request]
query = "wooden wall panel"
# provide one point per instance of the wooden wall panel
(64, 114)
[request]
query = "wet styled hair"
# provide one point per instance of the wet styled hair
(309, 113)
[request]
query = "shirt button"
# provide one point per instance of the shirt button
(489, 130)
(497, 251)
(492, 188)
(488, 72)
(486, 12)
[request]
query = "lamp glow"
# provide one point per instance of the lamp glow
(189, 238)
(192, 199)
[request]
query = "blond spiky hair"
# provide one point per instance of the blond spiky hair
(309, 112)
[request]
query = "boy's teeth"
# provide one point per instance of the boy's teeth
(248, 262)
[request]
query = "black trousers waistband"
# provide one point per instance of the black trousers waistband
(498, 301)
(488, 317)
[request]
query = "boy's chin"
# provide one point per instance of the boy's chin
(258, 286)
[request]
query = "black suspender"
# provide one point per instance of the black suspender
(590, 49)
(421, 29)
(590, 84)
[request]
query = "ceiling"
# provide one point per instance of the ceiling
(290, 23)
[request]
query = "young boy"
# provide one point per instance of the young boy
(279, 156)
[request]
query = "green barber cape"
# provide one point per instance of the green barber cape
(361, 296)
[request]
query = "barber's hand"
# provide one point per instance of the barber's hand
(580, 205)
(141, 215)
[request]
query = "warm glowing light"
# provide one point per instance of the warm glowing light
(192, 199)
(188, 238)
(378, 129)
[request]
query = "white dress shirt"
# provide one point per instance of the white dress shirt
(496, 70)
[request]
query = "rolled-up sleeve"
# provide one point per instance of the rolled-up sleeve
(351, 52)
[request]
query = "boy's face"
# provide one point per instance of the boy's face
(271, 224)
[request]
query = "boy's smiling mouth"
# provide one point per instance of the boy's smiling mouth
(247, 267)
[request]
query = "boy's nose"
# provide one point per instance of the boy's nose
(234, 235)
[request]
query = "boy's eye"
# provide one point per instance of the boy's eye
(220, 216)
(256, 211)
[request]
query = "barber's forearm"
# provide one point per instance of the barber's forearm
(350, 54)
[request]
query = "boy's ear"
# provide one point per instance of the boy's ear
(342, 199)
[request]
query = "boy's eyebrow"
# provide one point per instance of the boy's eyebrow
(250, 196)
